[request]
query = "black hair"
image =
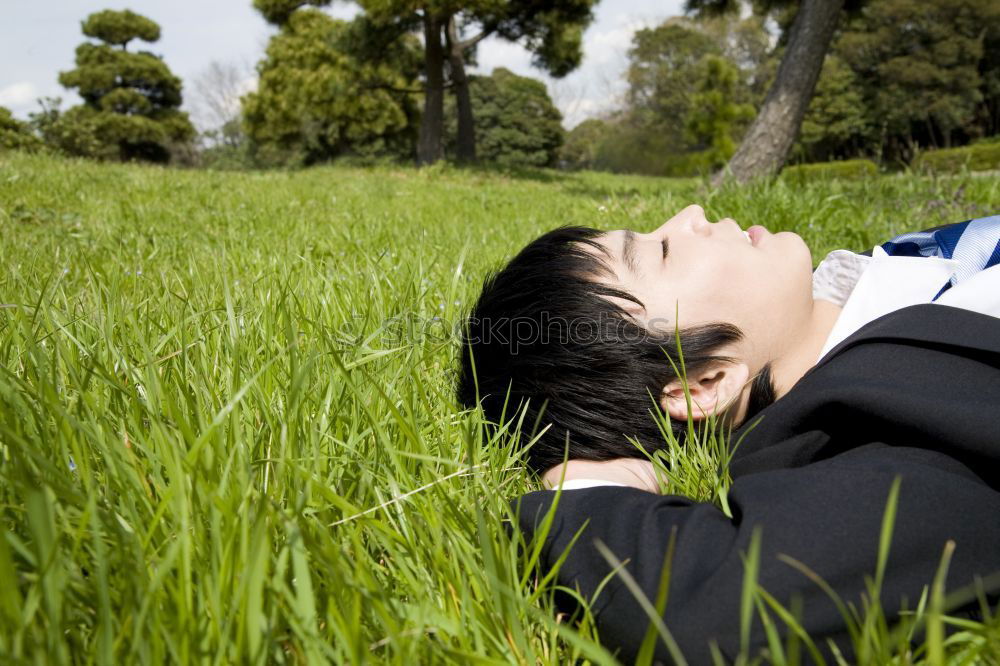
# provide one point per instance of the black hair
(545, 336)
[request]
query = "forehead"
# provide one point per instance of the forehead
(609, 246)
(609, 250)
(619, 250)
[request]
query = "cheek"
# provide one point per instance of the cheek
(755, 282)
(723, 292)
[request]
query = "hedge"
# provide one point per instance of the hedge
(844, 170)
(975, 157)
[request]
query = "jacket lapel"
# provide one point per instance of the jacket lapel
(932, 324)
(900, 389)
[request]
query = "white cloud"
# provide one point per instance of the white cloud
(249, 84)
(608, 46)
(18, 95)
(494, 52)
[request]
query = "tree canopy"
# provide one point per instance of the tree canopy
(15, 134)
(120, 28)
(552, 30)
(131, 100)
(837, 123)
(769, 139)
(714, 114)
(904, 75)
(315, 101)
(690, 88)
(901, 76)
(581, 144)
(516, 122)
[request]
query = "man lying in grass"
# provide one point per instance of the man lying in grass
(871, 369)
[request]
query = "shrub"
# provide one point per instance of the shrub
(16, 135)
(976, 157)
(843, 170)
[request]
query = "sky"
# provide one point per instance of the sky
(38, 38)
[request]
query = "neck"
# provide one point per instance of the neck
(627, 471)
(803, 354)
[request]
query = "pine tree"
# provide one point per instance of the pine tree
(131, 100)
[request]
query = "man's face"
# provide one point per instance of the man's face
(715, 273)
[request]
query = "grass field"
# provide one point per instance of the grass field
(227, 430)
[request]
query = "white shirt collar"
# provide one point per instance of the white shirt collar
(881, 284)
(835, 277)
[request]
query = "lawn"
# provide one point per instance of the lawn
(227, 429)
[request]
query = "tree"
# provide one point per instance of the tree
(747, 43)
(316, 101)
(838, 122)
(579, 150)
(215, 105)
(919, 63)
(714, 114)
(989, 69)
(551, 29)
(516, 122)
(631, 144)
(904, 75)
(131, 100)
(770, 137)
(16, 135)
(120, 28)
(664, 71)
(688, 101)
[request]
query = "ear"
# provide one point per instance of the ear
(713, 388)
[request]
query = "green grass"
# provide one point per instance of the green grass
(227, 431)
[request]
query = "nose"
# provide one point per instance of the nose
(695, 216)
(691, 217)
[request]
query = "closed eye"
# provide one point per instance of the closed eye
(666, 247)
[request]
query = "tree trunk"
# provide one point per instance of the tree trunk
(930, 132)
(465, 151)
(770, 137)
(432, 122)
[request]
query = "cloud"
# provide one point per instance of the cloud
(19, 95)
(495, 52)
(249, 84)
(607, 46)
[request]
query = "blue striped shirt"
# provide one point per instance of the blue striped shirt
(975, 244)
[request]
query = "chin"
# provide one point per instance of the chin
(795, 248)
(796, 257)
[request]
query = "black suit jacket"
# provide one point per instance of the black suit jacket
(914, 395)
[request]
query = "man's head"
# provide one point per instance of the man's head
(584, 323)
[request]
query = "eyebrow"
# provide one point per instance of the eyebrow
(628, 251)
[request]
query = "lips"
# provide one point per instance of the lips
(755, 233)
